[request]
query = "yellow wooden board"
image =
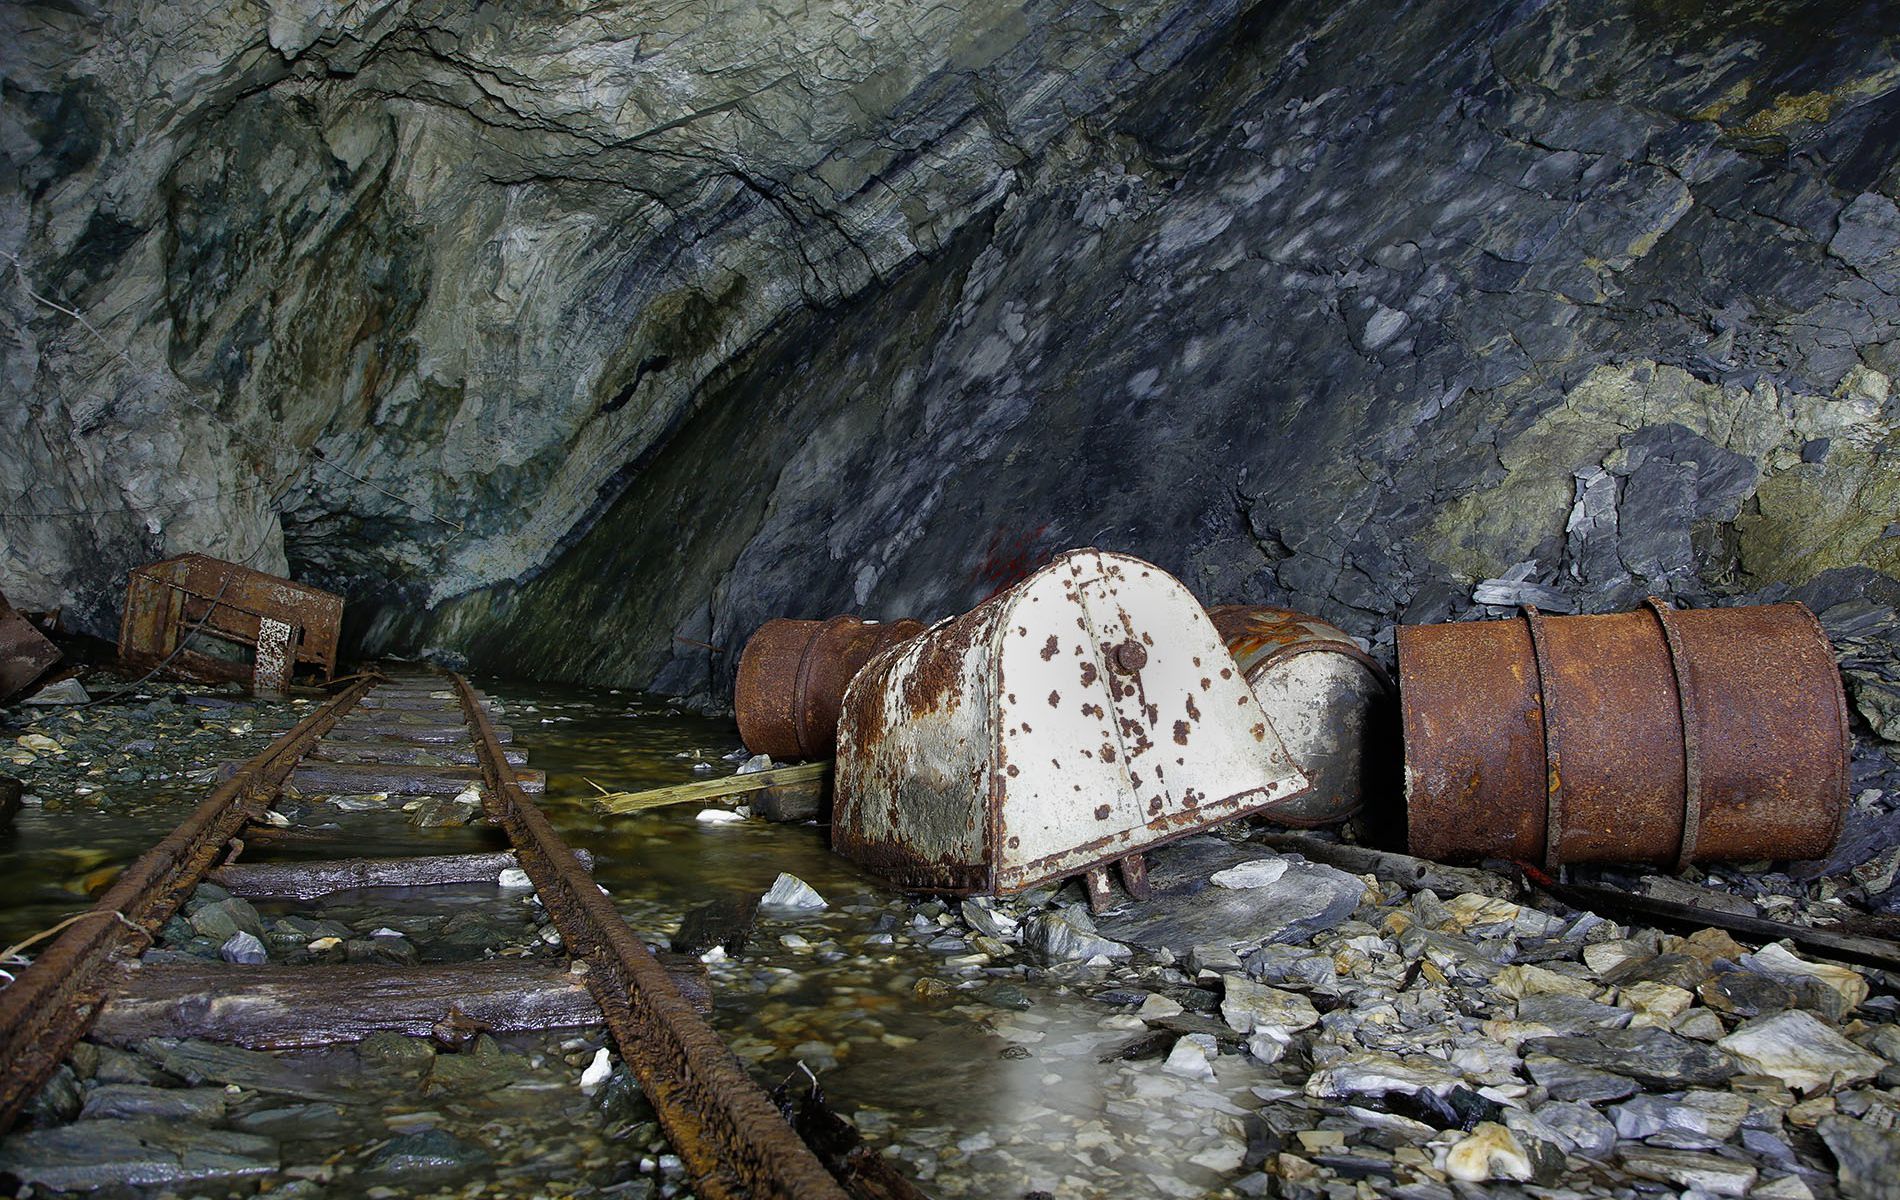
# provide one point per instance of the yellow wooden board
(707, 789)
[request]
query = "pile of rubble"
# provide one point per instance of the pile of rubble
(1413, 1042)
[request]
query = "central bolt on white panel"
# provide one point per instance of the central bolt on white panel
(1085, 714)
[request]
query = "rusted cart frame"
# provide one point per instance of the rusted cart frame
(732, 1140)
(49, 1007)
(285, 623)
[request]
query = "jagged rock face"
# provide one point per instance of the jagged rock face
(482, 258)
(687, 327)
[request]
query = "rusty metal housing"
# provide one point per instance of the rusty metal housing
(792, 677)
(1083, 715)
(1656, 736)
(1325, 697)
(283, 623)
(25, 653)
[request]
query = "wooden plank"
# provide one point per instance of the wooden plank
(308, 880)
(373, 730)
(274, 1008)
(355, 779)
(406, 752)
(711, 789)
(404, 717)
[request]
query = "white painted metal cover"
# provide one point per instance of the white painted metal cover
(1084, 714)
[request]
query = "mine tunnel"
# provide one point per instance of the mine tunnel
(1252, 598)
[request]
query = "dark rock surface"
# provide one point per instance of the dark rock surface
(1343, 315)
(589, 335)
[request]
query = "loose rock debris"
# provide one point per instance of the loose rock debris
(1356, 1031)
(1424, 1031)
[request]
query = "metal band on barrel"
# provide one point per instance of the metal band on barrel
(1691, 732)
(1553, 768)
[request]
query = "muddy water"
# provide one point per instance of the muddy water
(979, 1076)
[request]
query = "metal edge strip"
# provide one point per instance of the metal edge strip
(1686, 709)
(1553, 759)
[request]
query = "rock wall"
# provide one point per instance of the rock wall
(1383, 311)
(403, 293)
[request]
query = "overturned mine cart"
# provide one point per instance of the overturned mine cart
(1083, 715)
(178, 610)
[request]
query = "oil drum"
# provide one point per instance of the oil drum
(1654, 736)
(792, 676)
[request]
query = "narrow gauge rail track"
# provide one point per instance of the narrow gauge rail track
(733, 1140)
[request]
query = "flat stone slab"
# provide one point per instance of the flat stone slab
(110, 1153)
(1186, 909)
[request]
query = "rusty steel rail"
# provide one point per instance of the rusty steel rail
(49, 1007)
(733, 1142)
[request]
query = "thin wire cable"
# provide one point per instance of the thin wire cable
(13, 951)
(119, 352)
(158, 506)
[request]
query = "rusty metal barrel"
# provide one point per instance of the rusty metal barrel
(792, 676)
(1322, 694)
(1653, 736)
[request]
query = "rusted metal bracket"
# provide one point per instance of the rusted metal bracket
(51, 1004)
(734, 1143)
(1133, 870)
(25, 653)
(1845, 947)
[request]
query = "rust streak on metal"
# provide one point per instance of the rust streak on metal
(50, 1005)
(733, 1142)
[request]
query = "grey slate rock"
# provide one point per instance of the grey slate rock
(137, 1100)
(1568, 1081)
(221, 920)
(1868, 1157)
(1695, 1120)
(93, 1154)
(208, 1062)
(58, 1099)
(427, 1152)
(1653, 1056)
(1582, 1129)
(243, 948)
(1571, 1013)
(1056, 937)
(1185, 910)
(1707, 1173)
